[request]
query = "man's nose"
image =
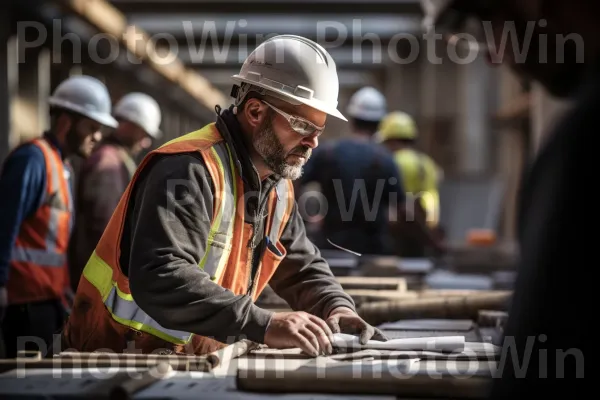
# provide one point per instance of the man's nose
(311, 141)
(97, 136)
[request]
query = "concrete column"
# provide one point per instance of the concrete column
(402, 87)
(27, 122)
(44, 85)
(510, 151)
(474, 123)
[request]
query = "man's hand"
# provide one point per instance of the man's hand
(344, 320)
(299, 329)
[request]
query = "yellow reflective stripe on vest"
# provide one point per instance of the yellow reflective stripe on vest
(218, 245)
(123, 307)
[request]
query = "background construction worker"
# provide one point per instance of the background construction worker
(362, 174)
(210, 219)
(420, 176)
(549, 333)
(36, 217)
(105, 175)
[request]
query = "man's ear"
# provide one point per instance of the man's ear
(254, 112)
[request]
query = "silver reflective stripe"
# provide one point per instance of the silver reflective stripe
(128, 310)
(42, 258)
(280, 207)
(221, 232)
(70, 206)
(51, 236)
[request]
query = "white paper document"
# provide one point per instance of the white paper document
(445, 344)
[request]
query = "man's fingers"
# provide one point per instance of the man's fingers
(378, 335)
(323, 325)
(366, 334)
(308, 346)
(312, 339)
(322, 337)
(334, 325)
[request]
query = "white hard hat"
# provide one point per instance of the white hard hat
(142, 110)
(294, 69)
(84, 95)
(367, 104)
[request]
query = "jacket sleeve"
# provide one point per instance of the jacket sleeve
(23, 185)
(170, 222)
(304, 278)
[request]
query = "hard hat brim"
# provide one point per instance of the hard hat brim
(157, 134)
(101, 118)
(290, 98)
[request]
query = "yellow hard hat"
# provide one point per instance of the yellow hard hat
(397, 125)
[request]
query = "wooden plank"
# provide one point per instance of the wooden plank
(108, 19)
(361, 296)
(429, 293)
(453, 307)
(347, 378)
(519, 107)
(373, 283)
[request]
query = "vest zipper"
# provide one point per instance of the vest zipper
(252, 245)
(250, 261)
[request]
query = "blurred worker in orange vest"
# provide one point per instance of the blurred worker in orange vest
(210, 219)
(105, 175)
(36, 218)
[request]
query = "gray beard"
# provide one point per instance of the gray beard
(268, 146)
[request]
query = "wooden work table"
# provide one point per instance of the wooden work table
(265, 373)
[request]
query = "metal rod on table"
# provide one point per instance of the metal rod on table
(457, 307)
(233, 351)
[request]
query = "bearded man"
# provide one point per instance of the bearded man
(210, 219)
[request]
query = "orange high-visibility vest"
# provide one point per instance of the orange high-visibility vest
(38, 266)
(105, 314)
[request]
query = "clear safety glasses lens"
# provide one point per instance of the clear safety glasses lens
(298, 124)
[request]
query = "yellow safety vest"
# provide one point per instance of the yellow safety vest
(420, 178)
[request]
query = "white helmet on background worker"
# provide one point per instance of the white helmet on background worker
(293, 69)
(367, 104)
(142, 110)
(86, 96)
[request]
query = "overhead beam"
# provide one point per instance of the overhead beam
(353, 57)
(108, 19)
(221, 77)
(254, 27)
(270, 6)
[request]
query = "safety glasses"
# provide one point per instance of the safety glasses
(300, 125)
